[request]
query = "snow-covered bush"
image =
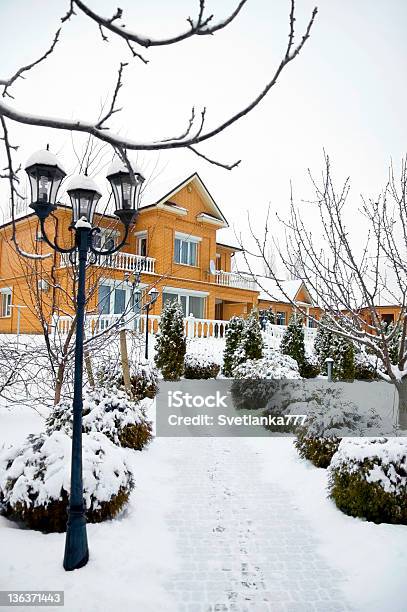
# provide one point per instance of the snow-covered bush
(292, 343)
(275, 366)
(251, 342)
(200, 367)
(35, 480)
(340, 349)
(233, 335)
(252, 385)
(329, 419)
(310, 367)
(107, 411)
(143, 379)
(365, 366)
(368, 479)
(170, 342)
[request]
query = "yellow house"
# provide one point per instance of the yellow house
(173, 246)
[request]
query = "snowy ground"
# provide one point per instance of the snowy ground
(215, 524)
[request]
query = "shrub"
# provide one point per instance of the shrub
(251, 342)
(144, 382)
(170, 342)
(253, 386)
(329, 418)
(200, 367)
(273, 367)
(328, 344)
(107, 411)
(310, 367)
(365, 366)
(368, 479)
(292, 343)
(35, 480)
(234, 333)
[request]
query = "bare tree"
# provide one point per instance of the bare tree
(351, 272)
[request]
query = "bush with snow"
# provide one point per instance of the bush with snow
(107, 411)
(274, 366)
(233, 339)
(200, 367)
(368, 479)
(170, 343)
(365, 366)
(310, 367)
(252, 385)
(35, 480)
(143, 379)
(329, 419)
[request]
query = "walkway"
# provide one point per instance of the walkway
(243, 545)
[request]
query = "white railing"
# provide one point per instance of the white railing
(193, 327)
(274, 334)
(232, 279)
(128, 262)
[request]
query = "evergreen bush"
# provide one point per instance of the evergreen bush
(292, 343)
(35, 480)
(368, 479)
(251, 343)
(200, 367)
(233, 339)
(170, 342)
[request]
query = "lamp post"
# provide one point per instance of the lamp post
(153, 293)
(45, 174)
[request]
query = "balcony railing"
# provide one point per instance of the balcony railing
(232, 279)
(128, 262)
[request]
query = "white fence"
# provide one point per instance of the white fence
(194, 328)
(232, 279)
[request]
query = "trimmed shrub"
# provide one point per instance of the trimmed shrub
(275, 366)
(365, 366)
(292, 343)
(107, 411)
(310, 367)
(200, 367)
(233, 337)
(170, 342)
(368, 479)
(143, 379)
(329, 418)
(35, 480)
(251, 343)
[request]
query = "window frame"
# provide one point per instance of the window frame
(6, 294)
(186, 241)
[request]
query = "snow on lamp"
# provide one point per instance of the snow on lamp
(45, 174)
(126, 191)
(84, 195)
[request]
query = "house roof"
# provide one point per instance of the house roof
(157, 194)
(269, 290)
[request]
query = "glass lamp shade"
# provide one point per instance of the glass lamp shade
(126, 191)
(45, 174)
(153, 293)
(84, 195)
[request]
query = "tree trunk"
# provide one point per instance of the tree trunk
(402, 406)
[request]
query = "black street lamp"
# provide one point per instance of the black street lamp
(45, 174)
(153, 293)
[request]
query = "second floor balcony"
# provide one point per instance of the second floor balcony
(127, 262)
(233, 279)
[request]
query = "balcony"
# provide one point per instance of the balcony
(233, 279)
(127, 262)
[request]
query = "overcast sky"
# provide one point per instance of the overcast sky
(346, 92)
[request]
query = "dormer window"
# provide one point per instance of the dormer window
(186, 249)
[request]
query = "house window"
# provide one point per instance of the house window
(186, 250)
(112, 300)
(388, 319)
(142, 245)
(190, 304)
(5, 305)
(104, 240)
(280, 318)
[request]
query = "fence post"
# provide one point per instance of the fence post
(329, 364)
(190, 326)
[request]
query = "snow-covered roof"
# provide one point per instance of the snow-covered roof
(118, 166)
(45, 158)
(157, 193)
(81, 181)
(269, 290)
(227, 237)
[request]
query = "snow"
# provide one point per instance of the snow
(80, 181)
(83, 223)
(45, 158)
(275, 366)
(118, 166)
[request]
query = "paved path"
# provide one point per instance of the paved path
(243, 545)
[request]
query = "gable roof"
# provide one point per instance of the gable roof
(157, 195)
(269, 290)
